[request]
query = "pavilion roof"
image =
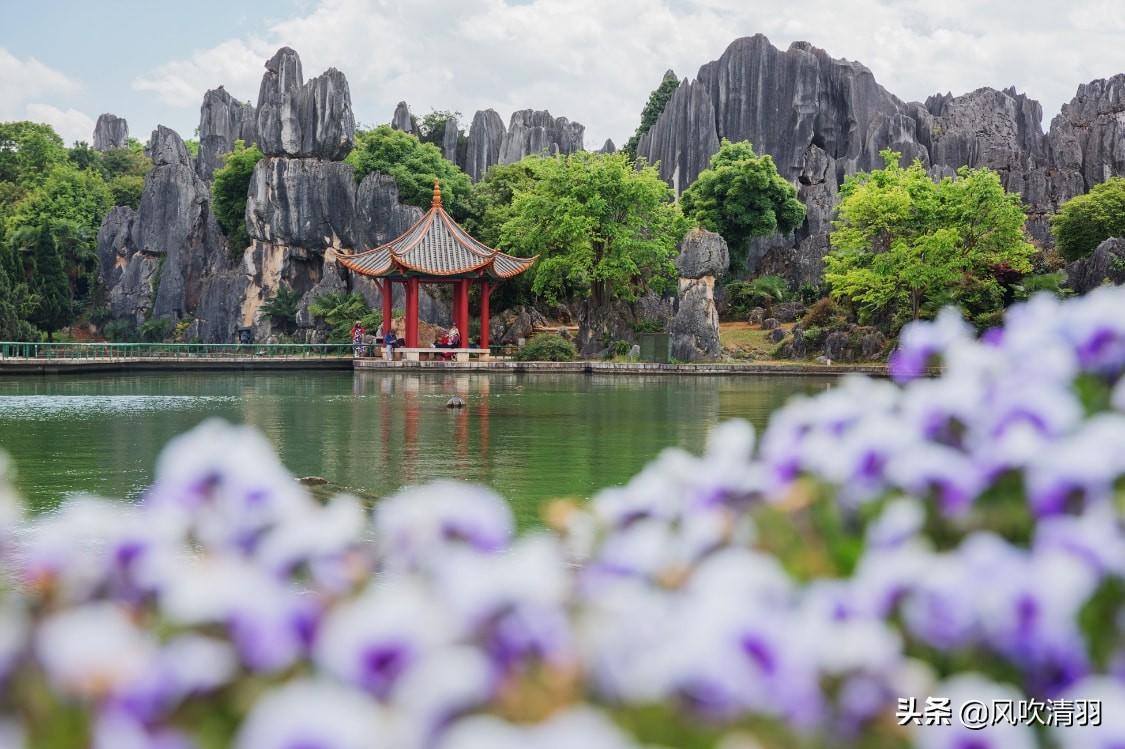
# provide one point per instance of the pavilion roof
(436, 246)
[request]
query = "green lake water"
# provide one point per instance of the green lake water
(532, 437)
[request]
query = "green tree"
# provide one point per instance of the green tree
(431, 128)
(282, 306)
(340, 310)
(494, 194)
(414, 165)
(228, 193)
(53, 305)
(16, 304)
(1085, 221)
(654, 107)
(28, 150)
(741, 195)
(124, 170)
(599, 225)
(905, 245)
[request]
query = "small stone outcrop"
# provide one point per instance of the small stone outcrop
(403, 120)
(695, 324)
(514, 324)
(1106, 264)
(301, 119)
(222, 121)
(486, 136)
(110, 132)
(536, 131)
(607, 147)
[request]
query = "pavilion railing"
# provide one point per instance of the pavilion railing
(22, 350)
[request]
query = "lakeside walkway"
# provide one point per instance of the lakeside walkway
(647, 368)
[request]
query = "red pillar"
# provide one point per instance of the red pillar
(412, 313)
(388, 309)
(463, 311)
(485, 290)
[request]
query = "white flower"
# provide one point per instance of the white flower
(419, 521)
(577, 727)
(310, 713)
(93, 650)
(372, 641)
(966, 688)
(1109, 695)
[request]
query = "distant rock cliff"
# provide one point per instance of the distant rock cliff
(222, 121)
(822, 118)
(110, 132)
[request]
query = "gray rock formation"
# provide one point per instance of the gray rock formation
(449, 140)
(305, 203)
(513, 324)
(486, 136)
(379, 216)
(702, 253)
(110, 131)
(1106, 264)
(403, 120)
(822, 119)
(695, 324)
(536, 131)
(222, 121)
(304, 120)
(607, 147)
(684, 137)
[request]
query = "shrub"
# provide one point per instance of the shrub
(650, 325)
(547, 347)
(824, 313)
(763, 291)
(282, 306)
(1085, 221)
(228, 194)
(157, 330)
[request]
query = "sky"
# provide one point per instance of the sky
(594, 61)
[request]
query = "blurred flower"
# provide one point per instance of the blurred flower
(308, 713)
(575, 728)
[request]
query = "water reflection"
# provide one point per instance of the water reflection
(531, 437)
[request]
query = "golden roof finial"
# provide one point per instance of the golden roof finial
(437, 193)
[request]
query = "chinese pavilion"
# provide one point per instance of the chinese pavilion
(437, 250)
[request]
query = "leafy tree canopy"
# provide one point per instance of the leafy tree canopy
(904, 245)
(599, 225)
(414, 165)
(741, 195)
(654, 107)
(494, 194)
(431, 128)
(228, 193)
(1086, 221)
(28, 150)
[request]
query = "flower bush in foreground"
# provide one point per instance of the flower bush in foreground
(957, 537)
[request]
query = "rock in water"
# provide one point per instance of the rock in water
(222, 120)
(110, 132)
(304, 120)
(305, 203)
(695, 324)
(536, 131)
(403, 120)
(486, 136)
(455, 402)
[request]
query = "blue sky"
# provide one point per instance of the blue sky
(591, 60)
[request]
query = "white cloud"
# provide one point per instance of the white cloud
(596, 61)
(71, 124)
(26, 83)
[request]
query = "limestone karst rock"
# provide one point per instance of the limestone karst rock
(379, 216)
(695, 324)
(536, 131)
(449, 140)
(1106, 264)
(222, 121)
(486, 136)
(403, 120)
(1088, 136)
(684, 136)
(110, 131)
(822, 119)
(607, 147)
(301, 119)
(305, 203)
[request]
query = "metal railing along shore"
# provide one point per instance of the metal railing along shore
(61, 350)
